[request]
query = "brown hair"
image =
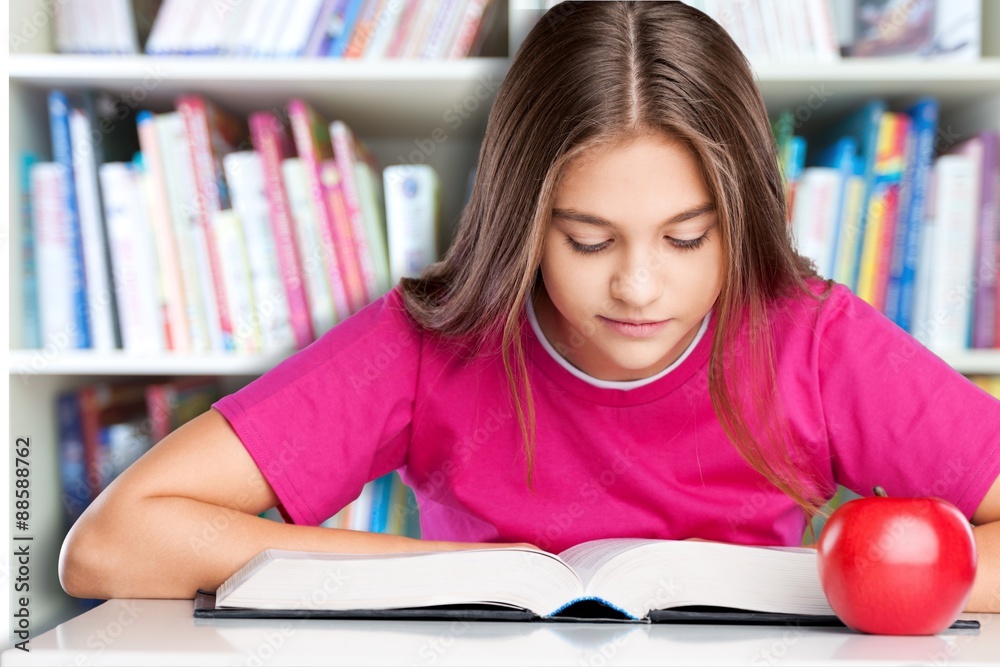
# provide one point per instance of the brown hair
(594, 72)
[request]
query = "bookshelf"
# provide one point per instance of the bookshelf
(391, 105)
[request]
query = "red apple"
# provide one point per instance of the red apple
(897, 566)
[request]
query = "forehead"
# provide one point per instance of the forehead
(655, 168)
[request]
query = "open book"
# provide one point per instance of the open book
(625, 579)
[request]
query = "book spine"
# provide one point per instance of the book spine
(333, 194)
(135, 296)
(31, 331)
(320, 29)
(894, 250)
(363, 28)
(158, 412)
(381, 491)
(72, 457)
(846, 270)
(227, 228)
(924, 119)
(465, 35)
(54, 252)
(984, 318)
(179, 339)
(307, 236)
(269, 140)
(62, 153)
(245, 177)
(884, 249)
(180, 190)
(195, 114)
(954, 250)
(99, 291)
(312, 142)
(438, 31)
(344, 154)
(402, 32)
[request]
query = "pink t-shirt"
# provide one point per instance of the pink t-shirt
(646, 458)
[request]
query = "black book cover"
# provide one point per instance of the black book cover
(586, 611)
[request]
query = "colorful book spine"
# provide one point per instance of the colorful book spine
(228, 229)
(272, 142)
(72, 457)
(175, 311)
(333, 194)
(100, 294)
(312, 142)
(924, 118)
(467, 28)
(210, 131)
(344, 151)
(62, 153)
(53, 250)
(31, 331)
(984, 332)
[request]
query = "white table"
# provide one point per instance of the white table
(164, 632)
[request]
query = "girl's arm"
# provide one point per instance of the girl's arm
(185, 516)
(986, 530)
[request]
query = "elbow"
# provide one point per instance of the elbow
(84, 565)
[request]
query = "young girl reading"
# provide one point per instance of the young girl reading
(621, 341)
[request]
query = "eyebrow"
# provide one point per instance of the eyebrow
(591, 219)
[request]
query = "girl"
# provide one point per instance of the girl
(621, 341)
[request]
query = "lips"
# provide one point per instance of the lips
(630, 330)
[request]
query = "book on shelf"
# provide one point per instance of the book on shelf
(354, 29)
(413, 218)
(948, 30)
(862, 211)
(215, 234)
(630, 580)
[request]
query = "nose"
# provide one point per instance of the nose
(637, 281)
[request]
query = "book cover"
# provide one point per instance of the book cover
(413, 218)
(936, 29)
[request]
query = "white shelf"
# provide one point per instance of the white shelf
(405, 98)
(85, 362)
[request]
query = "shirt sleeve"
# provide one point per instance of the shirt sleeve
(334, 415)
(897, 415)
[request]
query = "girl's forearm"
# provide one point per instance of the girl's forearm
(985, 596)
(168, 547)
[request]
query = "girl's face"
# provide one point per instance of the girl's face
(634, 237)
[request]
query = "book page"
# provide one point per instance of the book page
(588, 557)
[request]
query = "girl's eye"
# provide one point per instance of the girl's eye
(680, 244)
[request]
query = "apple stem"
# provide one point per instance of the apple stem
(879, 491)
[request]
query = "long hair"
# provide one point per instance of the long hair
(589, 73)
